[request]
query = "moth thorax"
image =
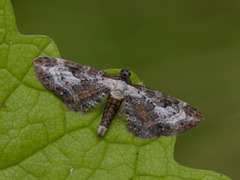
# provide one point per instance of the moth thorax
(125, 74)
(119, 90)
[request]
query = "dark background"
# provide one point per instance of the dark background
(188, 49)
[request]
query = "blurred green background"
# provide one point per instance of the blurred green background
(188, 49)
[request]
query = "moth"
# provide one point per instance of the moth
(148, 113)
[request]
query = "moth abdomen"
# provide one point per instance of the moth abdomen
(109, 113)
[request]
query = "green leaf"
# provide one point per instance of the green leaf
(41, 139)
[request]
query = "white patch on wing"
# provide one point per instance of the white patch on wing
(164, 114)
(64, 78)
(84, 72)
(168, 113)
(58, 72)
(132, 91)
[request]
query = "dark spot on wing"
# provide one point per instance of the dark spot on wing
(165, 103)
(72, 70)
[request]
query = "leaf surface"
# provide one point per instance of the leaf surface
(41, 139)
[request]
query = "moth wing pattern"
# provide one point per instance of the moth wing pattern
(150, 113)
(80, 87)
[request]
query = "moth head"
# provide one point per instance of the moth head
(125, 74)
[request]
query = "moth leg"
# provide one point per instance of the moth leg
(122, 111)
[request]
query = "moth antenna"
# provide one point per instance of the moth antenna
(107, 66)
(116, 74)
